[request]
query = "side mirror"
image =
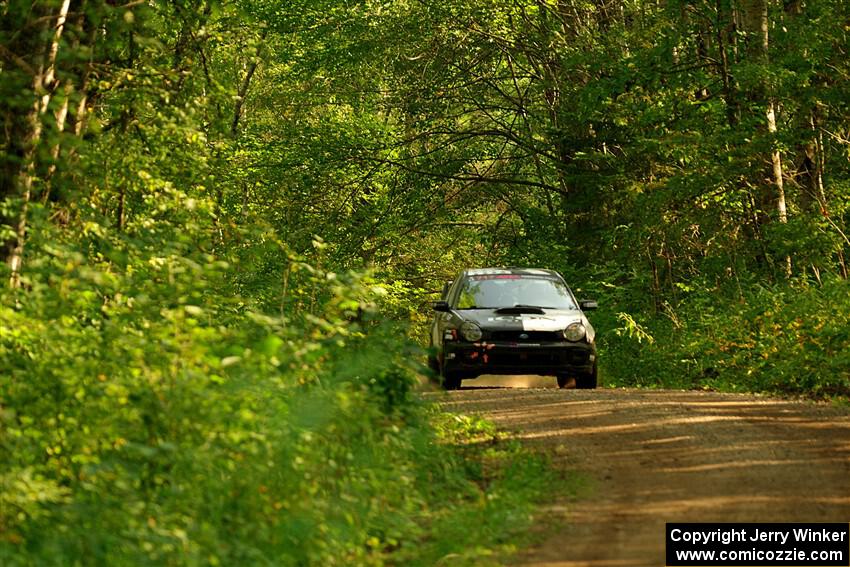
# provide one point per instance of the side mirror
(588, 304)
(446, 287)
(441, 306)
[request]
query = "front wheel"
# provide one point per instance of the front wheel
(588, 381)
(449, 379)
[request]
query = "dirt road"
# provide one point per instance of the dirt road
(666, 456)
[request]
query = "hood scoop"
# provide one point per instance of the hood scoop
(520, 310)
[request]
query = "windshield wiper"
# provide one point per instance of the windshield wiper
(473, 307)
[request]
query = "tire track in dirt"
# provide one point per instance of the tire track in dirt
(656, 456)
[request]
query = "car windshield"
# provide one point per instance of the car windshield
(509, 290)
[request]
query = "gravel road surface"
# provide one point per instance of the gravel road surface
(652, 457)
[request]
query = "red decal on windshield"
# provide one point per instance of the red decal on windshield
(514, 277)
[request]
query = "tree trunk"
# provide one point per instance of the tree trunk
(729, 87)
(757, 23)
(70, 115)
(809, 174)
(61, 119)
(243, 88)
(23, 184)
(26, 133)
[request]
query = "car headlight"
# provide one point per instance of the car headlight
(471, 332)
(575, 332)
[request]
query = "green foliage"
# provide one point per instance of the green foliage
(232, 216)
(147, 419)
(781, 340)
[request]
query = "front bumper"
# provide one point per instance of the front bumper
(502, 357)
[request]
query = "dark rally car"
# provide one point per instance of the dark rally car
(512, 321)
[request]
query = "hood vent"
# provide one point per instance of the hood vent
(520, 310)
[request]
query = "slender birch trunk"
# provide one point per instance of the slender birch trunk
(43, 85)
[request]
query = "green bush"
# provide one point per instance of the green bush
(783, 339)
(149, 417)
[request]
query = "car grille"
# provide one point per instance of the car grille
(539, 359)
(529, 336)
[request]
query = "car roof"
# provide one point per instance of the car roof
(511, 271)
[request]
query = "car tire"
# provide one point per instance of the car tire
(563, 380)
(450, 380)
(588, 381)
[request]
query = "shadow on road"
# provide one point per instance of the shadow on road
(666, 456)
